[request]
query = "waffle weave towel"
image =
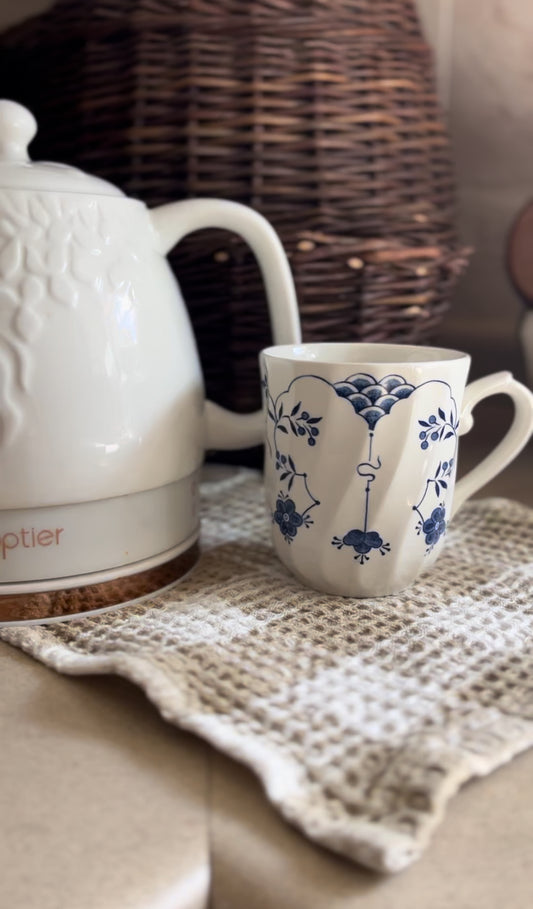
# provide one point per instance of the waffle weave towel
(361, 718)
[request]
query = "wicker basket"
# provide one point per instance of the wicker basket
(321, 114)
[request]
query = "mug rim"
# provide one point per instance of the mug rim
(369, 354)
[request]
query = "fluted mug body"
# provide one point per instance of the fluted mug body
(361, 447)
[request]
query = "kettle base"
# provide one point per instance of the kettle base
(72, 602)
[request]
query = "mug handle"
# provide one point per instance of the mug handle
(512, 443)
(224, 429)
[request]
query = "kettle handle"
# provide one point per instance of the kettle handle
(224, 429)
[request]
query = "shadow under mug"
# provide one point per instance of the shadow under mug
(361, 444)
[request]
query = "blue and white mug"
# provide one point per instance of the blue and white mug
(361, 444)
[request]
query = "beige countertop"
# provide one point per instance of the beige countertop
(105, 806)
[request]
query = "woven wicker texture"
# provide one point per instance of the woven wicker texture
(321, 114)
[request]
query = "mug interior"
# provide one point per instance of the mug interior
(353, 354)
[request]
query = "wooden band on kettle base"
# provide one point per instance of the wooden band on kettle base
(23, 607)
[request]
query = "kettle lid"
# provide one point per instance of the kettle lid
(17, 129)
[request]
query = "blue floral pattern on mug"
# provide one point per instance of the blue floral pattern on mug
(362, 543)
(371, 399)
(301, 424)
(286, 517)
(437, 427)
(435, 525)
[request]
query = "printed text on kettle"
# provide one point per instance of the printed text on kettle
(29, 539)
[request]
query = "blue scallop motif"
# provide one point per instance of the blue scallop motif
(392, 382)
(372, 399)
(345, 389)
(372, 415)
(386, 402)
(361, 379)
(403, 391)
(359, 401)
(374, 391)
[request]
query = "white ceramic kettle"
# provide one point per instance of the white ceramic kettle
(103, 422)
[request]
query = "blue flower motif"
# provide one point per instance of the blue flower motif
(287, 518)
(435, 525)
(372, 399)
(362, 542)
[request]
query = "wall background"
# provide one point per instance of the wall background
(484, 65)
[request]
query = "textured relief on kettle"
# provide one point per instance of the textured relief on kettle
(51, 249)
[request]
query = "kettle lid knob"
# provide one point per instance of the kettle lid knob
(18, 127)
